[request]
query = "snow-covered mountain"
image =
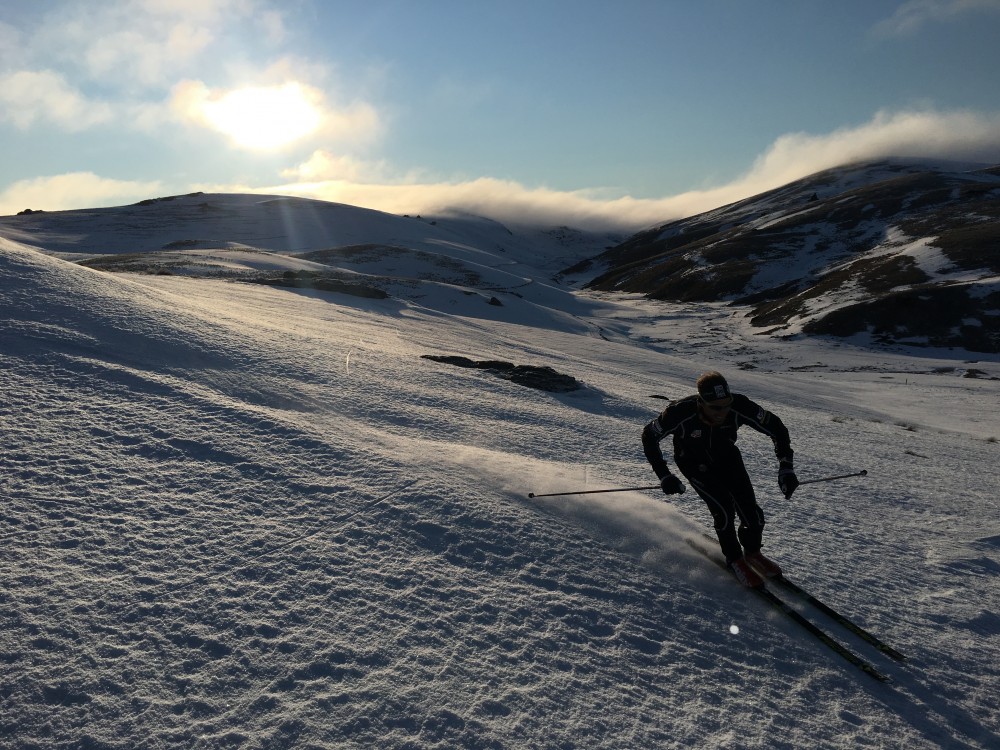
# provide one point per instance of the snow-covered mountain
(892, 250)
(240, 515)
(452, 262)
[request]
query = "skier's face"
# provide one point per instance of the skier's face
(714, 413)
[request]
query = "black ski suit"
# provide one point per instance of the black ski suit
(708, 457)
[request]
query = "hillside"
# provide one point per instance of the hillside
(452, 262)
(237, 515)
(895, 252)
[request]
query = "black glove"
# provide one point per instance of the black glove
(787, 480)
(671, 485)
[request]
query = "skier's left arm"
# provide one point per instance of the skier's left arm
(768, 423)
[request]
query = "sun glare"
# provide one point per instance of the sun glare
(264, 117)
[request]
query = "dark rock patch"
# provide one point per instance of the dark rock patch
(543, 378)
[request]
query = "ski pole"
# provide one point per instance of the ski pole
(594, 492)
(862, 473)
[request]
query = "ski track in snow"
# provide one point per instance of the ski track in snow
(237, 516)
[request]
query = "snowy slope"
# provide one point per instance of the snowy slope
(242, 516)
(290, 225)
(900, 252)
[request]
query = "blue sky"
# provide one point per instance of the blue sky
(571, 111)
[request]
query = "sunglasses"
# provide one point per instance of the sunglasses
(717, 408)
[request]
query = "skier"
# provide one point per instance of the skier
(704, 428)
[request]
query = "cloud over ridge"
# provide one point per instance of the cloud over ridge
(958, 135)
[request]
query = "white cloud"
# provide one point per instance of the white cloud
(326, 166)
(144, 58)
(963, 136)
(10, 44)
(29, 97)
(202, 10)
(32, 98)
(141, 44)
(914, 14)
(504, 200)
(73, 190)
(272, 25)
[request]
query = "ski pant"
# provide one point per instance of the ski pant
(723, 483)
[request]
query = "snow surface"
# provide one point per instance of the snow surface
(250, 517)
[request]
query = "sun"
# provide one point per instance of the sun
(265, 117)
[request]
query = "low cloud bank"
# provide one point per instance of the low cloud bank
(73, 190)
(960, 136)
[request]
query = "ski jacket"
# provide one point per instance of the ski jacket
(697, 442)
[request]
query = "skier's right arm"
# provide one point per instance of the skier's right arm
(652, 434)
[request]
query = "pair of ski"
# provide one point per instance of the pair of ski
(864, 665)
(778, 603)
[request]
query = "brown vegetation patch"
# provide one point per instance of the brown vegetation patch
(323, 283)
(944, 315)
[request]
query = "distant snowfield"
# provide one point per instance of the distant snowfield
(243, 516)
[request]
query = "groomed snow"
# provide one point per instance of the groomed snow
(248, 517)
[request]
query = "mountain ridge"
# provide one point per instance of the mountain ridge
(854, 250)
(897, 252)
